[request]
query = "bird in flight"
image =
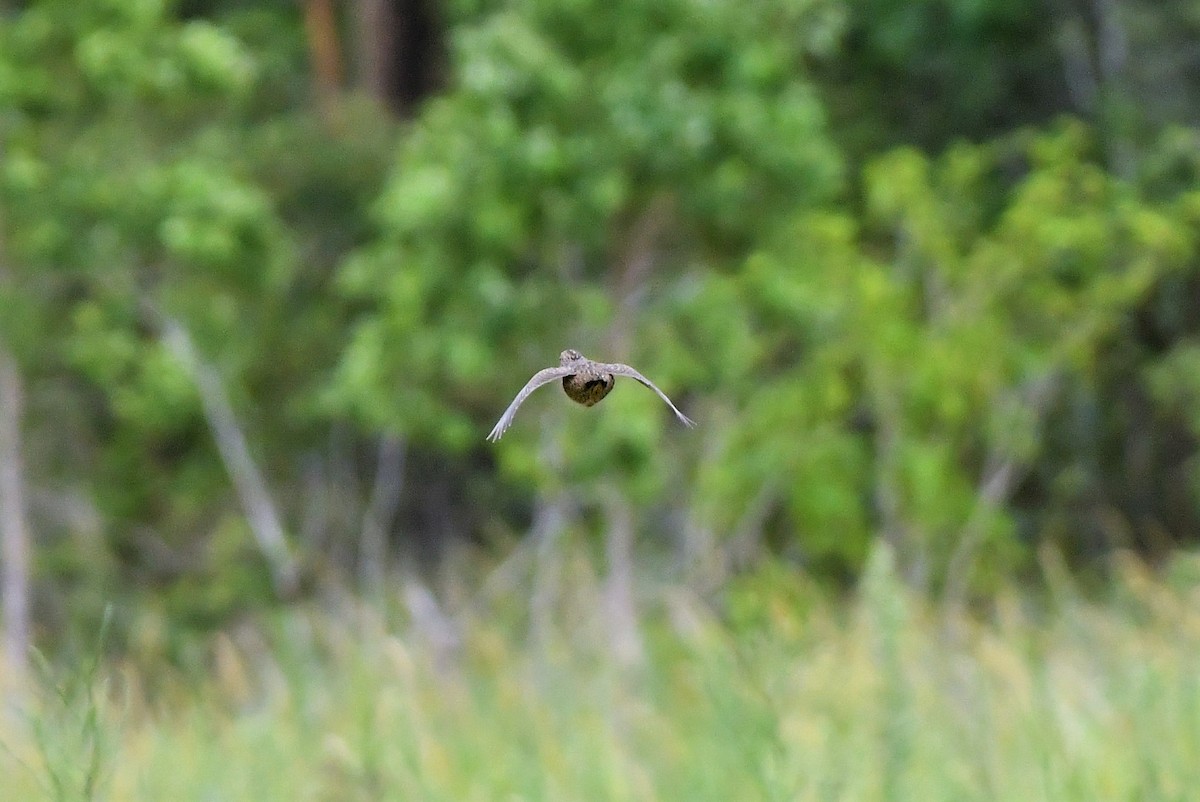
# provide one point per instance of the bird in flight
(584, 381)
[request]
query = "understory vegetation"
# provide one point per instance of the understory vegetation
(786, 695)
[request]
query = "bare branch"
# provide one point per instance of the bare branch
(624, 636)
(14, 531)
(1000, 478)
(438, 629)
(550, 520)
(887, 491)
(381, 509)
(247, 480)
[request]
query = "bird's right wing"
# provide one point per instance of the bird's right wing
(617, 369)
(539, 378)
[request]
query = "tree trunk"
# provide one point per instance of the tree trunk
(324, 50)
(375, 47)
(14, 532)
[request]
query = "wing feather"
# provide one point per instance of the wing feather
(541, 377)
(617, 369)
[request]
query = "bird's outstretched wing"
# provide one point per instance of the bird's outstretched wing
(617, 369)
(539, 378)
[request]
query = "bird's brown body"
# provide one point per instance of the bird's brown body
(588, 386)
(584, 381)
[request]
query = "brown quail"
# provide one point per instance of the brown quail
(584, 381)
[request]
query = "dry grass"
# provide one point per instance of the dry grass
(881, 698)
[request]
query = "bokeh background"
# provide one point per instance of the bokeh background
(925, 272)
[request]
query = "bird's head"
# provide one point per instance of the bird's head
(568, 356)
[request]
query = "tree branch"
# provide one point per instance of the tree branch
(999, 480)
(247, 480)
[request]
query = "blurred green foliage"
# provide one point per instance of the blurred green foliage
(921, 271)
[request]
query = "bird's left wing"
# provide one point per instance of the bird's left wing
(539, 378)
